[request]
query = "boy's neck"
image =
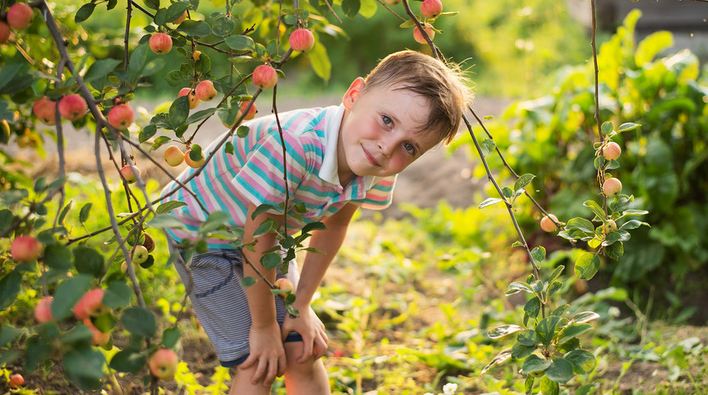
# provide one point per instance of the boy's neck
(343, 171)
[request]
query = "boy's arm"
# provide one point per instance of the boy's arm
(327, 243)
(267, 354)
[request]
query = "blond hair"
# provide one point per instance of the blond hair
(443, 86)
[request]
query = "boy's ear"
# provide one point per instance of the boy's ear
(353, 93)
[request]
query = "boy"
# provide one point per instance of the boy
(338, 159)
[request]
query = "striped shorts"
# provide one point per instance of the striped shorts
(220, 303)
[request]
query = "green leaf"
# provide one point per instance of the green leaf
(519, 351)
(528, 338)
(489, 201)
(170, 337)
(592, 205)
(77, 335)
(128, 361)
(38, 351)
(587, 265)
(606, 127)
(84, 367)
(84, 12)
(498, 360)
(67, 294)
(351, 7)
(138, 59)
(159, 142)
(633, 224)
(556, 273)
(162, 221)
(368, 8)
(85, 211)
(534, 363)
(533, 307)
(169, 14)
(271, 260)
(629, 126)
(57, 257)
(261, 209)
(179, 111)
(583, 361)
(546, 328)
(154, 4)
(201, 115)
(100, 69)
(248, 281)
(89, 261)
(523, 181)
(117, 295)
(573, 330)
(147, 132)
(169, 206)
(581, 224)
(8, 334)
(651, 46)
(195, 28)
(538, 254)
(214, 221)
(549, 387)
(560, 370)
(585, 316)
(516, 287)
(504, 330)
(240, 42)
(242, 131)
(139, 321)
(319, 60)
(313, 226)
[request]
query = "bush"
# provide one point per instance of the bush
(663, 163)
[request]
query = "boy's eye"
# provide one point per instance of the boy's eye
(386, 120)
(410, 148)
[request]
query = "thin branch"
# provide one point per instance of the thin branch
(285, 162)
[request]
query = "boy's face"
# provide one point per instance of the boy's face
(380, 132)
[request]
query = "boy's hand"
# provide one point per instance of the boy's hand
(267, 353)
(312, 330)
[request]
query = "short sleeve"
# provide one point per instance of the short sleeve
(380, 195)
(260, 180)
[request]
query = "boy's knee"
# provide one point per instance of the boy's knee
(293, 367)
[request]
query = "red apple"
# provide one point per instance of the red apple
(43, 310)
(301, 39)
(418, 36)
(72, 107)
(611, 186)
(191, 163)
(163, 364)
(431, 8)
(25, 249)
(611, 151)
(130, 173)
(173, 155)
(89, 303)
(160, 43)
(4, 32)
(19, 16)
(98, 338)
(46, 110)
(121, 116)
(16, 380)
(265, 76)
(193, 99)
(284, 284)
(205, 90)
(547, 224)
(251, 113)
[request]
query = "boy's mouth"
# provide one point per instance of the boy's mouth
(370, 157)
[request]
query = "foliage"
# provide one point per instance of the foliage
(663, 161)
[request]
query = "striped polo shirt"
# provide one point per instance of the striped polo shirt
(253, 172)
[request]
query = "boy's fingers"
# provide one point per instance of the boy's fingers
(282, 364)
(272, 371)
(257, 376)
(306, 350)
(248, 362)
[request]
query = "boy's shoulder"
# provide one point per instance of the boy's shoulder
(296, 122)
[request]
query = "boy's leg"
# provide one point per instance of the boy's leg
(307, 378)
(241, 384)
